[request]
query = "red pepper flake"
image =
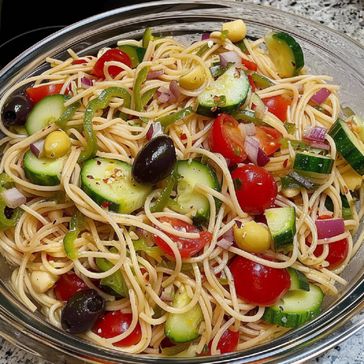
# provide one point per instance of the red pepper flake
(285, 163)
(183, 136)
(90, 177)
(106, 204)
(98, 162)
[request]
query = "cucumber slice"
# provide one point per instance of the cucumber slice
(282, 225)
(348, 145)
(225, 94)
(312, 164)
(136, 54)
(296, 307)
(43, 171)
(181, 328)
(298, 280)
(190, 173)
(109, 183)
(45, 112)
(285, 53)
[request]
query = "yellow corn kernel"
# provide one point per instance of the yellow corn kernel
(194, 79)
(236, 30)
(253, 237)
(57, 144)
(352, 179)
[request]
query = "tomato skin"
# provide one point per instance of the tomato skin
(111, 55)
(338, 251)
(269, 139)
(114, 323)
(225, 138)
(258, 284)
(67, 285)
(249, 64)
(36, 94)
(255, 188)
(228, 342)
(252, 84)
(278, 106)
(187, 247)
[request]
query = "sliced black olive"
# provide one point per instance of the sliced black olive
(16, 110)
(155, 161)
(81, 311)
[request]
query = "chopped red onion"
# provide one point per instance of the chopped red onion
(320, 96)
(162, 97)
(251, 147)
(320, 145)
(155, 74)
(37, 148)
(13, 198)
(230, 57)
(205, 36)
(87, 82)
(250, 129)
(174, 91)
(229, 235)
(262, 158)
(224, 243)
(166, 296)
(329, 228)
(315, 134)
(154, 130)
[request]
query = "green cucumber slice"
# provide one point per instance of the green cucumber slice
(298, 280)
(189, 173)
(43, 171)
(282, 225)
(136, 54)
(296, 307)
(312, 164)
(225, 94)
(348, 145)
(45, 112)
(109, 183)
(285, 53)
(181, 328)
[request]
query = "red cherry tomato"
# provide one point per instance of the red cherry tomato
(67, 285)
(79, 61)
(255, 188)
(338, 251)
(114, 323)
(249, 64)
(278, 106)
(111, 55)
(269, 139)
(225, 138)
(36, 94)
(228, 342)
(258, 284)
(187, 247)
(252, 84)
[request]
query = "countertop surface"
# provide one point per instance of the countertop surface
(346, 16)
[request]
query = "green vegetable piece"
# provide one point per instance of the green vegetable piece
(298, 280)
(147, 96)
(153, 251)
(93, 106)
(67, 114)
(260, 81)
(140, 79)
(288, 183)
(147, 37)
(172, 118)
(5, 222)
(163, 198)
(6, 182)
(75, 227)
(241, 45)
(202, 50)
(136, 54)
(248, 116)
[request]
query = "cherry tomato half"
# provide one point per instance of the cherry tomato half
(338, 251)
(278, 106)
(114, 323)
(187, 247)
(255, 188)
(67, 285)
(225, 138)
(36, 94)
(228, 342)
(111, 55)
(258, 284)
(269, 139)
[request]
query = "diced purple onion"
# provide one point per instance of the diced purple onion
(166, 296)
(87, 82)
(320, 145)
(174, 91)
(37, 148)
(224, 243)
(229, 235)
(315, 134)
(154, 130)
(251, 147)
(329, 228)
(260, 108)
(320, 96)
(162, 97)
(230, 57)
(205, 36)
(152, 75)
(13, 198)
(262, 158)
(250, 129)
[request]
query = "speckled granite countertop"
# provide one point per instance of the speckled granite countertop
(346, 16)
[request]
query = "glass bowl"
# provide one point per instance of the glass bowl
(326, 52)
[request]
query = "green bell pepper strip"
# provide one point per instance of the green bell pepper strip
(147, 37)
(163, 198)
(248, 116)
(153, 251)
(140, 79)
(241, 45)
(172, 118)
(6, 182)
(147, 96)
(261, 81)
(93, 106)
(115, 282)
(67, 114)
(202, 50)
(75, 227)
